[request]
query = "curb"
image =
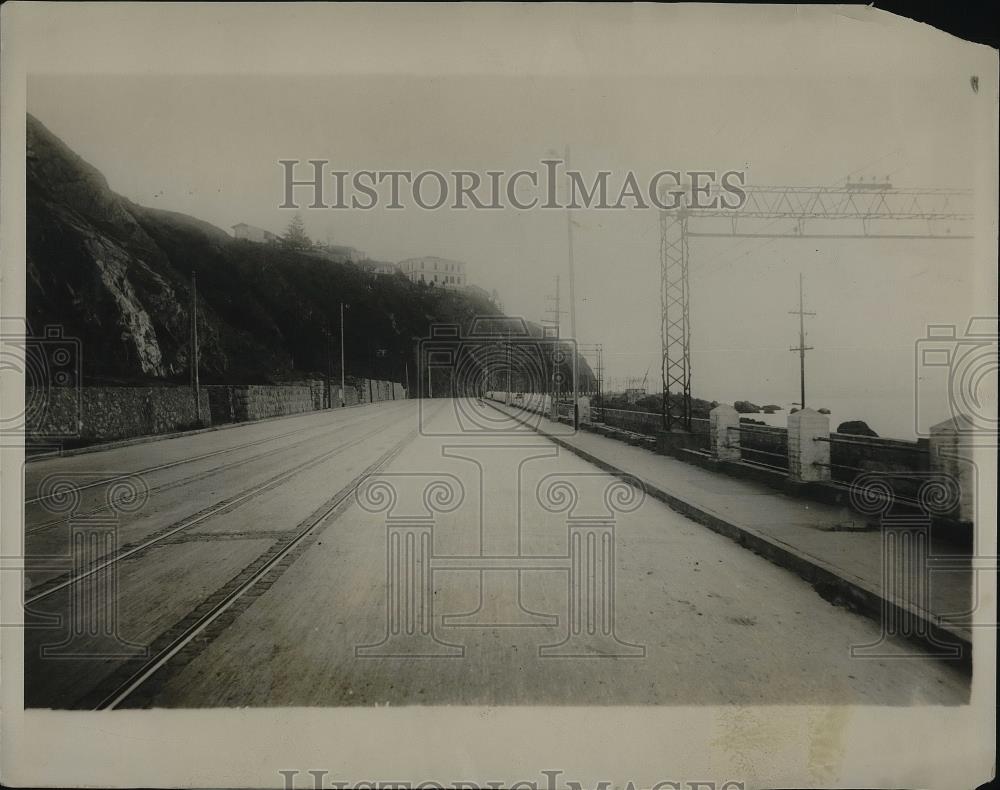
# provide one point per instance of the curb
(829, 582)
(156, 437)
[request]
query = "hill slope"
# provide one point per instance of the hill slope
(117, 275)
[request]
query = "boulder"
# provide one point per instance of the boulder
(856, 428)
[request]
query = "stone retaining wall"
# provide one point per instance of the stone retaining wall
(85, 415)
(93, 414)
(245, 402)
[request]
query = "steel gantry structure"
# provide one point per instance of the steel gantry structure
(859, 210)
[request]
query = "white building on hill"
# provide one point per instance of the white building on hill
(439, 271)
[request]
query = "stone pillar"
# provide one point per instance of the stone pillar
(808, 447)
(723, 433)
(951, 456)
(583, 410)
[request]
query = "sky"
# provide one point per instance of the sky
(208, 145)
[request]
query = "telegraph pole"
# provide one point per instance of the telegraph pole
(600, 375)
(572, 295)
(508, 365)
(374, 372)
(343, 362)
(195, 384)
(802, 348)
(555, 321)
(328, 395)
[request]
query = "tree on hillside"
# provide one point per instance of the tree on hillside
(295, 236)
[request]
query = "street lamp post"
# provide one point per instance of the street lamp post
(406, 372)
(343, 361)
(195, 383)
(328, 399)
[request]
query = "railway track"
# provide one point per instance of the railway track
(51, 586)
(167, 486)
(160, 467)
(124, 689)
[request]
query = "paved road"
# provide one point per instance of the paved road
(399, 554)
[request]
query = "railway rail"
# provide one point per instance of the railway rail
(50, 586)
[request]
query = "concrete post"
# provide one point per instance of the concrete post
(583, 410)
(951, 456)
(724, 439)
(808, 447)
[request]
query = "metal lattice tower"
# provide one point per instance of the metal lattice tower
(858, 210)
(675, 319)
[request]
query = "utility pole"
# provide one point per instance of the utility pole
(195, 384)
(802, 348)
(572, 296)
(487, 349)
(374, 372)
(555, 321)
(343, 362)
(328, 395)
(508, 365)
(599, 373)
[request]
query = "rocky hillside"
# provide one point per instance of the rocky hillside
(117, 275)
